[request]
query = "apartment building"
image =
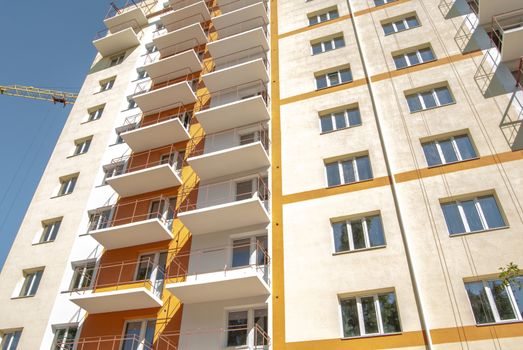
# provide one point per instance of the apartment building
(245, 174)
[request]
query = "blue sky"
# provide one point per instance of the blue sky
(44, 44)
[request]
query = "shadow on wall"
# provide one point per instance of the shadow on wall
(105, 62)
(511, 124)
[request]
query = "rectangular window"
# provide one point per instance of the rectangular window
(95, 113)
(473, 215)
(131, 103)
(370, 315)
(64, 338)
(99, 219)
(141, 74)
(413, 58)
(340, 120)
(494, 302)
(82, 146)
(429, 99)
(401, 25)
(348, 171)
(31, 282)
(382, 2)
(83, 275)
(50, 230)
(107, 84)
(451, 150)
(333, 78)
(116, 60)
(10, 340)
(113, 169)
(67, 185)
(356, 234)
(327, 45)
(327, 15)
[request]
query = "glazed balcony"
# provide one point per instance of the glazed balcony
(145, 172)
(236, 69)
(168, 126)
(109, 43)
(153, 97)
(256, 37)
(234, 107)
(197, 12)
(241, 20)
(134, 222)
(507, 34)
(230, 152)
(123, 286)
(125, 14)
(227, 205)
(170, 43)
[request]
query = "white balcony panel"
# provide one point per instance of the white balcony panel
(176, 93)
(512, 47)
(488, 9)
(226, 216)
(181, 39)
(232, 284)
(230, 161)
(239, 42)
(145, 180)
(117, 42)
(118, 300)
(177, 4)
(174, 67)
(236, 75)
(244, 19)
(136, 233)
(185, 16)
(156, 135)
(232, 5)
(234, 114)
(131, 18)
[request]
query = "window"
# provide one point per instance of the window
(150, 48)
(494, 302)
(382, 2)
(477, 214)
(107, 84)
(113, 169)
(151, 267)
(10, 340)
(333, 78)
(138, 334)
(64, 338)
(429, 99)
(401, 25)
(95, 113)
(242, 322)
(340, 120)
(413, 58)
(67, 185)
(99, 219)
(370, 315)
(82, 146)
(163, 209)
(141, 74)
(249, 251)
(116, 60)
(82, 275)
(451, 150)
(328, 45)
(348, 171)
(327, 15)
(131, 103)
(50, 230)
(356, 234)
(31, 282)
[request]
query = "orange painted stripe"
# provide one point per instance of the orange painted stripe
(321, 92)
(378, 8)
(475, 333)
(318, 25)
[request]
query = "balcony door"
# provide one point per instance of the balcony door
(151, 267)
(247, 328)
(138, 335)
(163, 210)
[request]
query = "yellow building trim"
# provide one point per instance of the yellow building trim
(322, 92)
(319, 25)
(475, 333)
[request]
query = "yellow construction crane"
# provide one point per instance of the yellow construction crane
(39, 94)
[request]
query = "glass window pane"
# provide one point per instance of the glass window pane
(339, 42)
(244, 190)
(428, 99)
(501, 299)
(413, 58)
(262, 321)
(375, 229)
(471, 213)
(333, 14)
(354, 117)
(491, 212)
(358, 237)
(341, 239)
(346, 75)
(388, 28)
(412, 22)
(349, 315)
(444, 96)
(149, 332)
(348, 172)
(36, 281)
(313, 20)
(326, 123)
(145, 267)
(452, 218)
(431, 154)
(414, 103)
(426, 54)
(465, 147)
(340, 120)
(333, 174)
(369, 315)
(400, 25)
(333, 78)
(328, 45)
(364, 170)
(241, 252)
(132, 336)
(323, 17)
(516, 284)
(316, 48)
(479, 302)
(389, 313)
(400, 61)
(321, 82)
(379, 2)
(237, 328)
(448, 151)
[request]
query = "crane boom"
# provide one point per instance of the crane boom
(39, 94)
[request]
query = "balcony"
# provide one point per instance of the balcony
(180, 40)
(226, 6)
(108, 43)
(131, 223)
(234, 107)
(128, 285)
(507, 34)
(151, 98)
(194, 13)
(225, 205)
(230, 152)
(146, 172)
(241, 20)
(128, 14)
(168, 126)
(256, 37)
(173, 67)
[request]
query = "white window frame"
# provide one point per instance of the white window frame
(110, 170)
(346, 117)
(98, 213)
(106, 85)
(434, 95)
(48, 228)
(454, 147)
(117, 59)
(63, 345)
(253, 239)
(250, 322)
(143, 330)
(479, 210)
(363, 221)
(418, 55)
(340, 170)
(32, 276)
(95, 114)
(332, 41)
(10, 336)
(82, 267)
(405, 23)
(82, 146)
(142, 74)
(318, 16)
(67, 185)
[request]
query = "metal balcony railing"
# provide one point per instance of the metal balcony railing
(236, 58)
(127, 24)
(119, 7)
(176, 5)
(504, 22)
(171, 50)
(163, 114)
(187, 21)
(234, 94)
(181, 75)
(237, 28)
(236, 5)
